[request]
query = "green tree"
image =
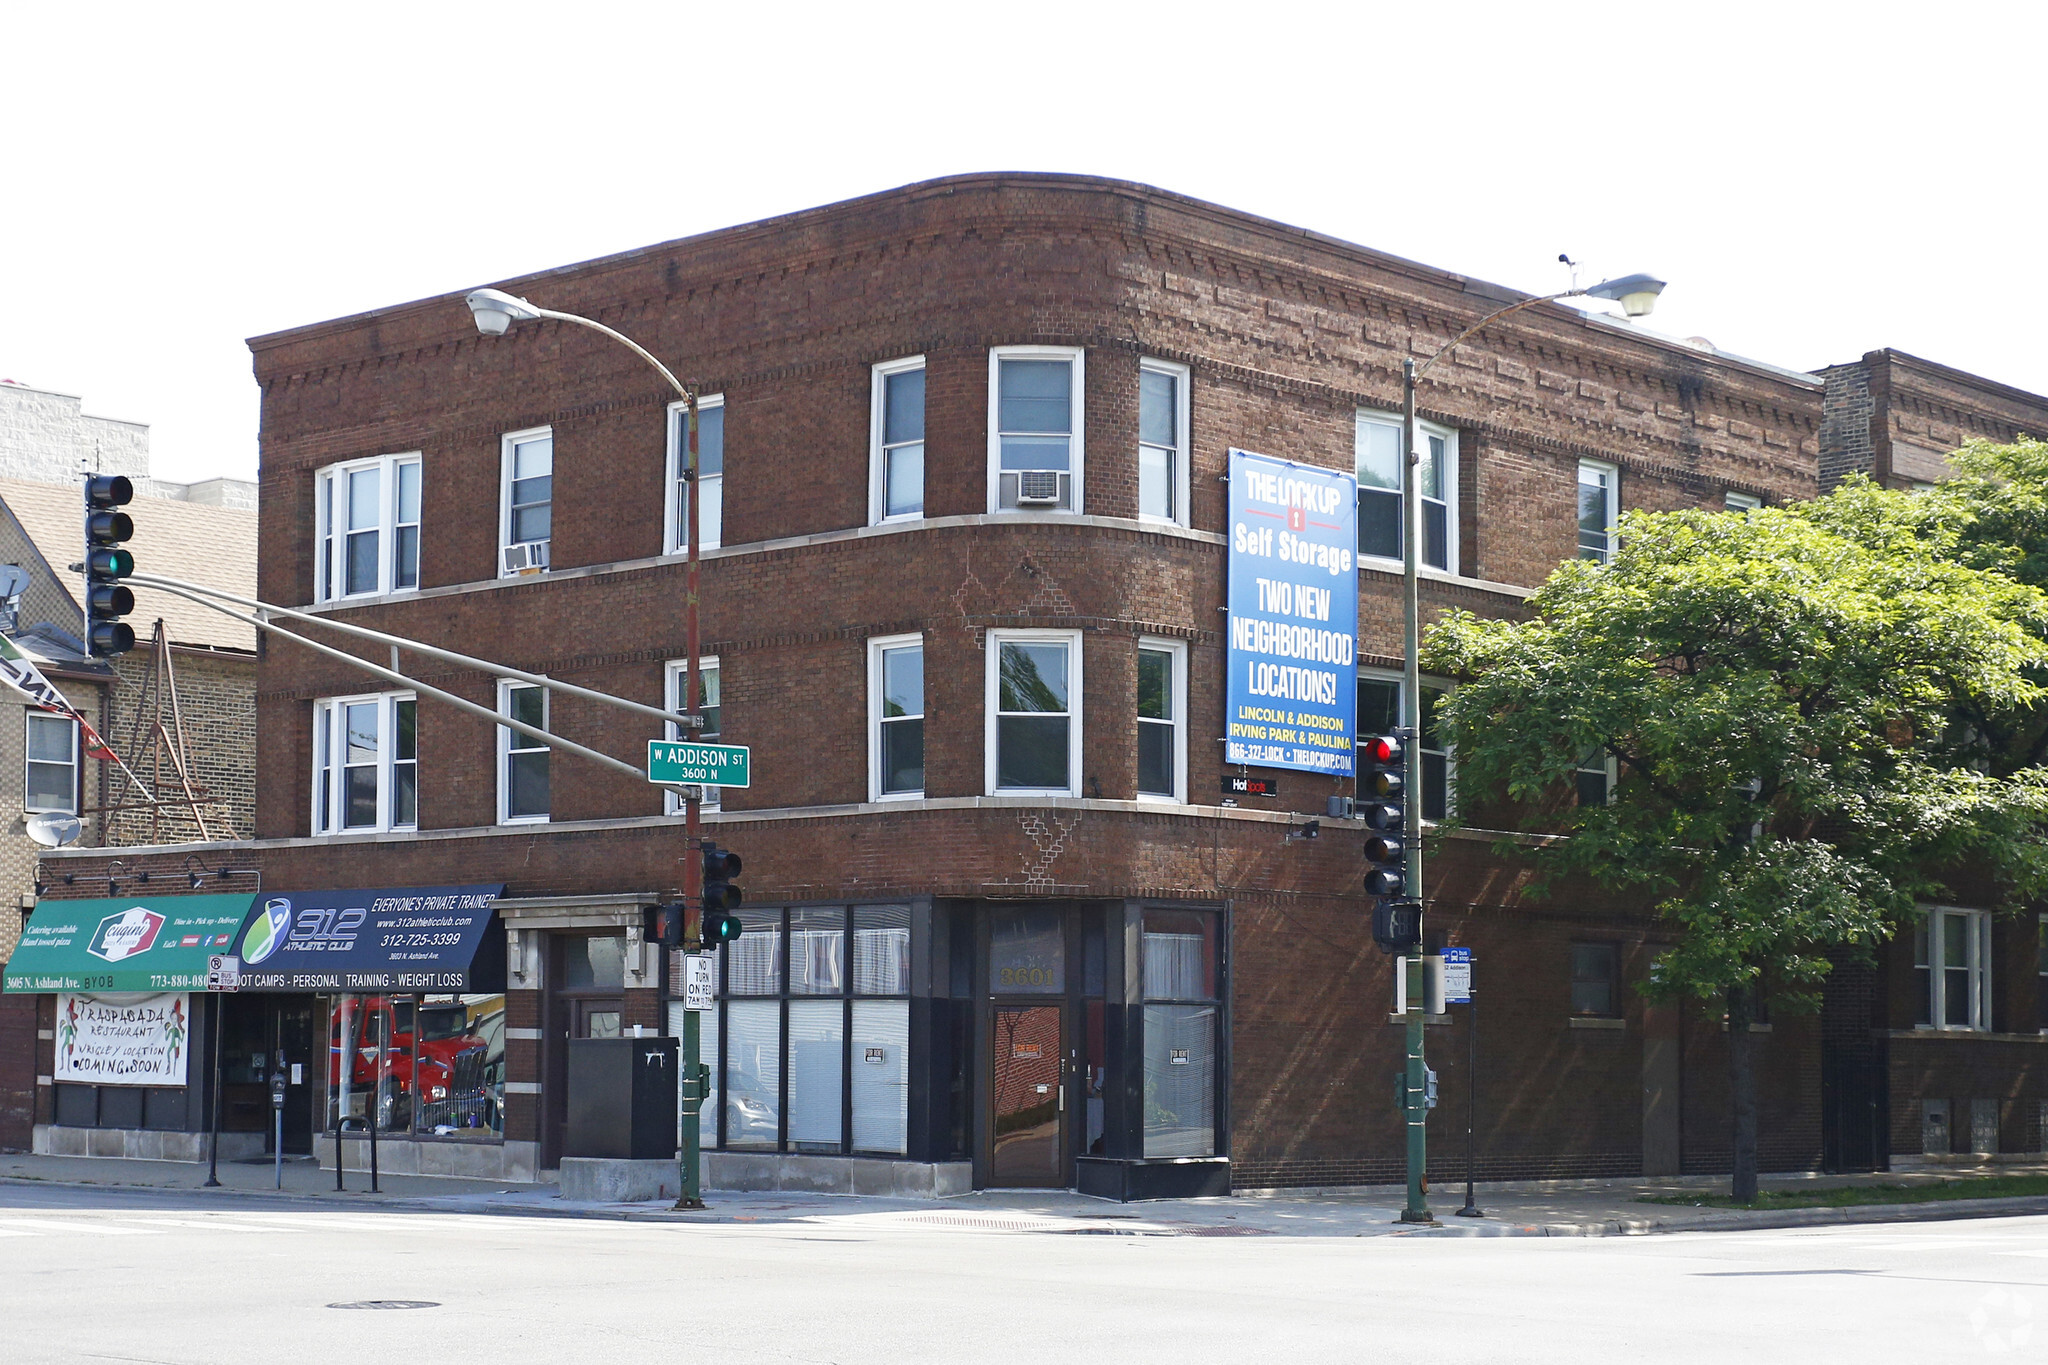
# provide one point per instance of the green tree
(1780, 691)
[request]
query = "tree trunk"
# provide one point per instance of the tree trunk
(1742, 1088)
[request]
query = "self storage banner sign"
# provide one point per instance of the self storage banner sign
(1292, 698)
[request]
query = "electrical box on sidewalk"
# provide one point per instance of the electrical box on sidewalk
(622, 1098)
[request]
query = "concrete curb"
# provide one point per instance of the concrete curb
(1721, 1220)
(1746, 1220)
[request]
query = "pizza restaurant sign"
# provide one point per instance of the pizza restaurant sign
(137, 1040)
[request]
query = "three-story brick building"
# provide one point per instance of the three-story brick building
(964, 450)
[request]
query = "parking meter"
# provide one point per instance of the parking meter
(277, 1085)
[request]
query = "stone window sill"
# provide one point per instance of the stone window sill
(1582, 1021)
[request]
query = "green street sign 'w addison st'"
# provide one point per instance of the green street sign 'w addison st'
(717, 765)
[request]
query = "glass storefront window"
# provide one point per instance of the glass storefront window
(881, 950)
(423, 1065)
(1180, 1080)
(753, 1073)
(789, 1039)
(817, 951)
(817, 1054)
(1027, 953)
(881, 1075)
(753, 962)
(1180, 983)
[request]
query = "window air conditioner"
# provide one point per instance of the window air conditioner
(1038, 488)
(530, 557)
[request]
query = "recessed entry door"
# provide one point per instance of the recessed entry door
(1029, 1101)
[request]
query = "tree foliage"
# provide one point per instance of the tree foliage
(1797, 698)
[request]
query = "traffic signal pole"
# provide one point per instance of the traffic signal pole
(1416, 1115)
(689, 1152)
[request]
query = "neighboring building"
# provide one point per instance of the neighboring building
(1939, 1049)
(964, 446)
(202, 532)
(1895, 417)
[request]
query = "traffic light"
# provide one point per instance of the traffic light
(721, 897)
(665, 923)
(107, 598)
(1383, 785)
(1397, 926)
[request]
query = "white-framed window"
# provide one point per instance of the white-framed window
(1598, 772)
(1162, 442)
(526, 501)
(896, 442)
(1741, 502)
(1599, 499)
(50, 779)
(1378, 457)
(522, 759)
(1034, 714)
(368, 515)
(707, 703)
(710, 475)
(1379, 713)
(1952, 965)
(895, 717)
(366, 763)
(1162, 720)
(1035, 428)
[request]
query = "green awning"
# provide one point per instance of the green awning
(155, 944)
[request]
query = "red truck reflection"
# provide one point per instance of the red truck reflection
(444, 1065)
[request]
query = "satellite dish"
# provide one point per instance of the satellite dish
(13, 580)
(53, 830)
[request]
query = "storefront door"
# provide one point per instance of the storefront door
(1027, 1127)
(585, 999)
(293, 1043)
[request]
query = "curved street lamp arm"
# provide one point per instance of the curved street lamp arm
(1495, 316)
(623, 340)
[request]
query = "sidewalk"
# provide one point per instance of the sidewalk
(1585, 1208)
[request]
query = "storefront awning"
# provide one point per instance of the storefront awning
(392, 939)
(160, 943)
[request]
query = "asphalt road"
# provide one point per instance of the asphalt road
(168, 1276)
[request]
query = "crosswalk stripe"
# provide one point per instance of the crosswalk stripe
(78, 1225)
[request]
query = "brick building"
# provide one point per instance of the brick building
(966, 452)
(204, 532)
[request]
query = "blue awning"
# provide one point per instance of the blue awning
(430, 939)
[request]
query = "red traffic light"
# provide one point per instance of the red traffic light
(1383, 749)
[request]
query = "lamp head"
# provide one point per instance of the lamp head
(1637, 294)
(495, 311)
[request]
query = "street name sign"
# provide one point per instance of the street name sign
(718, 765)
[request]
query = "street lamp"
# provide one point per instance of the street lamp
(1637, 295)
(495, 311)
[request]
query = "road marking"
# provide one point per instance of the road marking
(78, 1225)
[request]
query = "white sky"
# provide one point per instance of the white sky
(1814, 179)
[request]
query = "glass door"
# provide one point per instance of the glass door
(1029, 1101)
